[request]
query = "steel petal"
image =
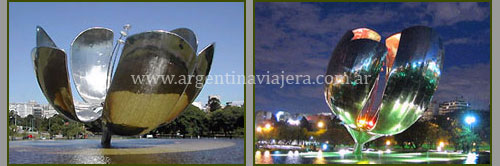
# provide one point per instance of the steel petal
(43, 39)
(188, 35)
(90, 55)
(205, 58)
(136, 107)
(203, 64)
(350, 60)
(52, 76)
(412, 81)
(397, 96)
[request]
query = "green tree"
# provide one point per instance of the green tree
(12, 130)
(415, 135)
(221, 121)
(56, 125)
(228, 120)
(190, 122)
(214, 104)
(72, 129)
(466, 138)
(304, 123)
(433, 134)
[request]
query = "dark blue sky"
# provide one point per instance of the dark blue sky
(298, 38)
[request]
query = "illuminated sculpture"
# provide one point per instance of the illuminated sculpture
(401, 77)
(117, 103)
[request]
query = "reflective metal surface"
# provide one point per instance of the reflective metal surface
(43, 39)
(90, 55)
(132, 107)
(52, 75)
(157, 77)
(188, 35)
(400, 78)
(203, 64)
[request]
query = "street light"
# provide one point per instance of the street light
(387, 142)
(321, 124)
(441, 146)
(268, 126)
(470, 119)
(259, 129)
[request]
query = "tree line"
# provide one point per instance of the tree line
(227, 121)
(423, 135)
(55, 125)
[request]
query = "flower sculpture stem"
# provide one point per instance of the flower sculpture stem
(106, 137)
(360, 138)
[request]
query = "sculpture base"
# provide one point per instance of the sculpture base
(106, 137)
(360, 138)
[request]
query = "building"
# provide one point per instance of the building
(12, 108)
(24, 109)
(261, 116)
(199, 105)
(430, 112)
(319, 117)
(282, 116)
(235, 103)
(32, 108)
(48, 111)
(459, 104)
(210, 97)
(38, 112)
(213, 99)
(329, 114)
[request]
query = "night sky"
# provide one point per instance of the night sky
(298, 38)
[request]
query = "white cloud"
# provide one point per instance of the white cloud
(449, 13)
(461, 40)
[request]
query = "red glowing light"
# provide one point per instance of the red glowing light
(365, 33)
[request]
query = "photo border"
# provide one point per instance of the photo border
(244, 70)
(491, 69)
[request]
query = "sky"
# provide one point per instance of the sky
(222, 23)
(298, 38)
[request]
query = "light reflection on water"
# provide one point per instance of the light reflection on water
(140, 151)
(290, 157)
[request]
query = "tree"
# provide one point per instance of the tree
(415, 135)
(227, 120)
(433, 134)
(56, 125)
(12, 130)
(304, 123)
(29, 121)
(13, 117)
(190, 122)
(466, 138)
(214, 104)
(72, 129)
(222, 121)
(195, 122)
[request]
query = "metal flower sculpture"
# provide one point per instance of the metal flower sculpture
(117, 103)
(380, 90)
